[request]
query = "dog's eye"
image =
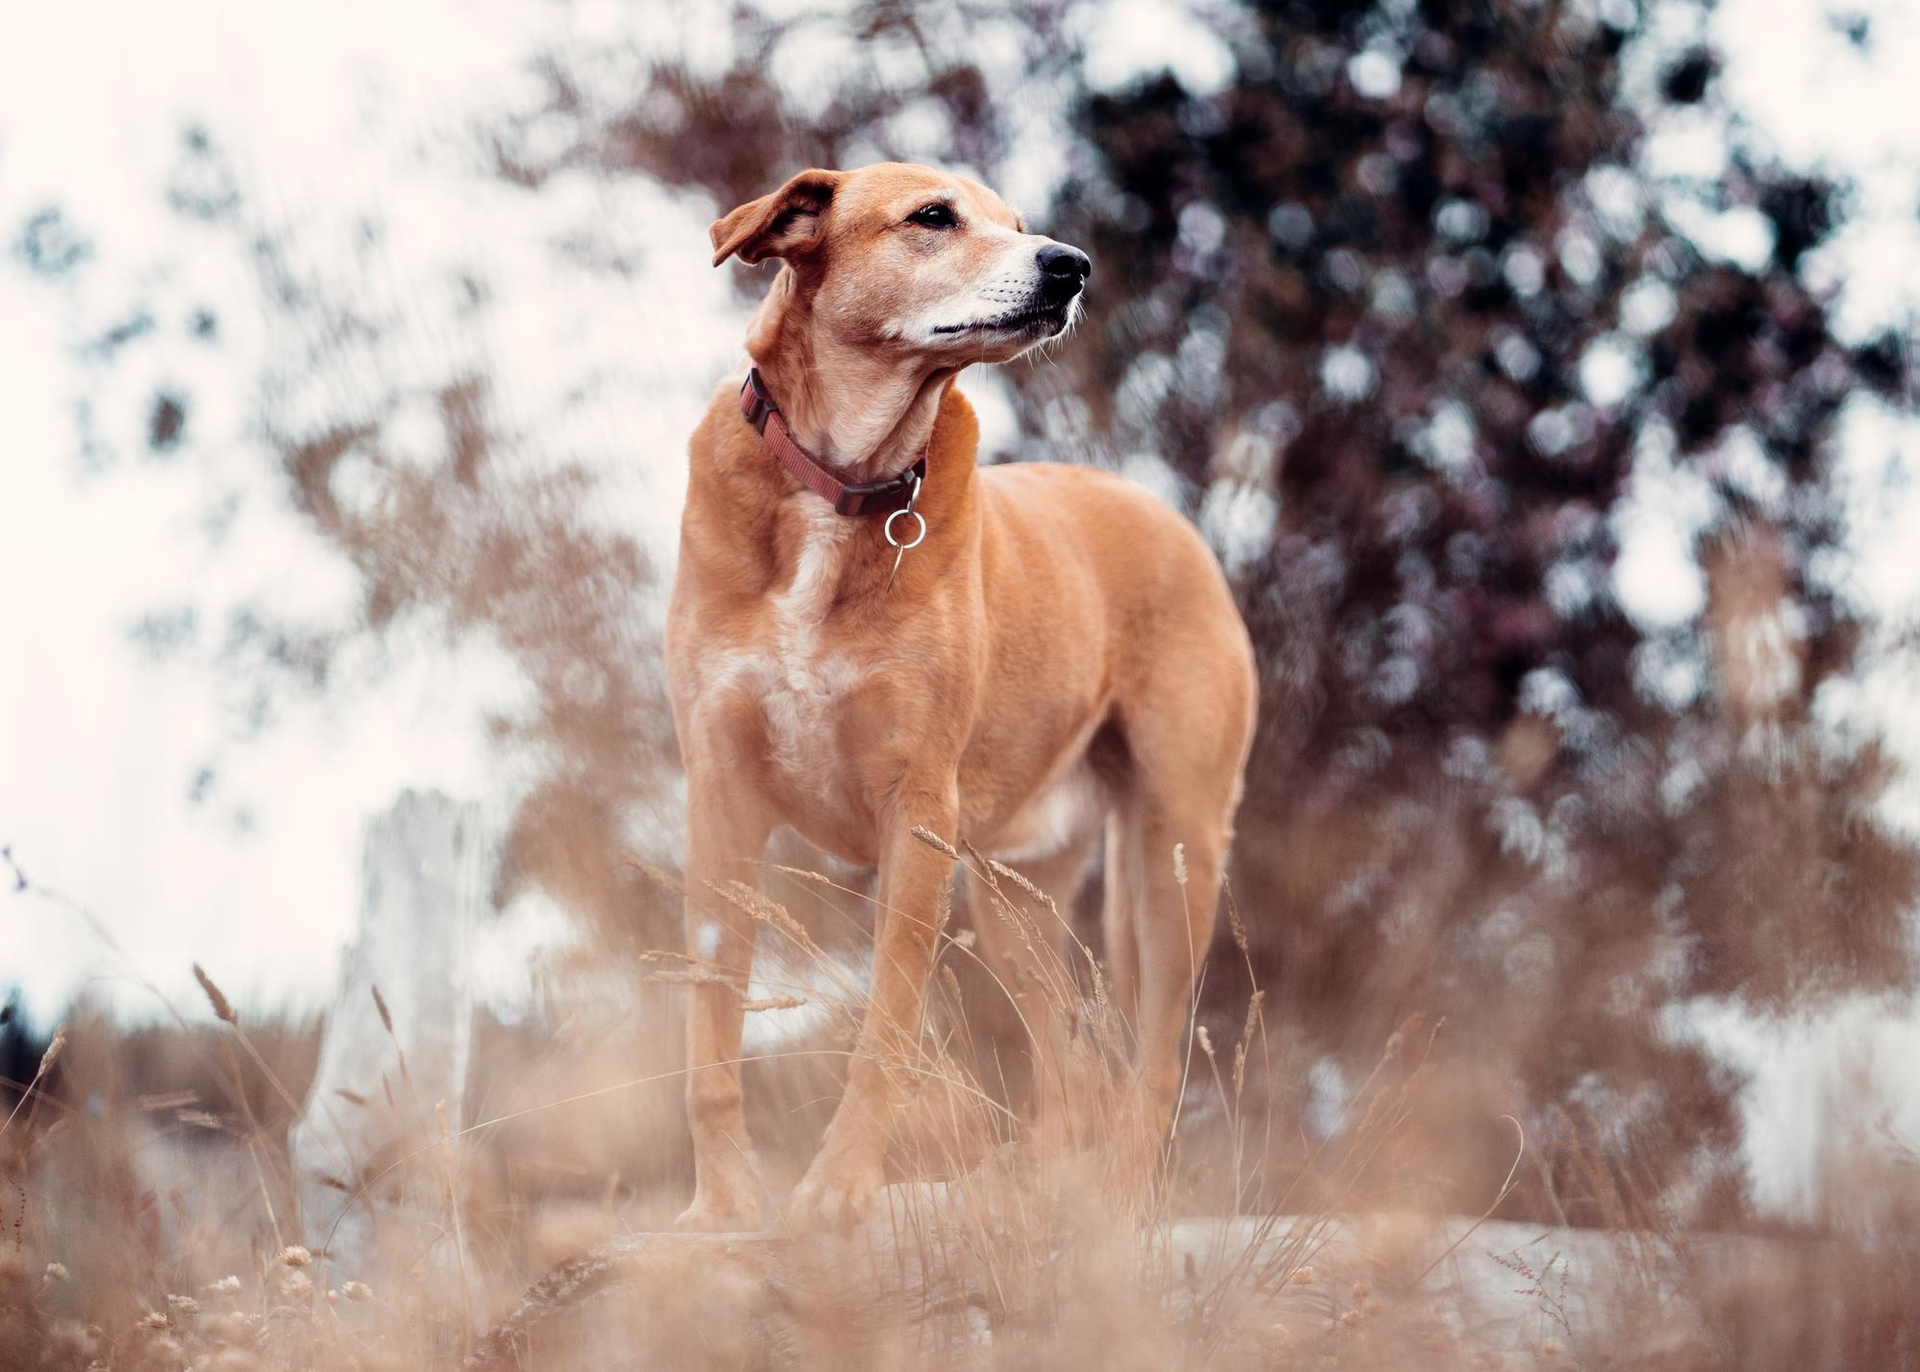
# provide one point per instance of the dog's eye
(934, 216)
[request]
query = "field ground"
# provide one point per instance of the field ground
(161, 1230)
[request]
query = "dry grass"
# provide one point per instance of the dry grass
(156, 1225)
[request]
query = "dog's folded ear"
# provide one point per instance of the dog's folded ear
(789, 223)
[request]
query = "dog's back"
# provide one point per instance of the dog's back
(1119, 594)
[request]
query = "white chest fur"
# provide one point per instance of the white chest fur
(797, 682)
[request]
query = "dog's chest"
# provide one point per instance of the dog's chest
(790, 670)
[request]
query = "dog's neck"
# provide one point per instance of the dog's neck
(865, 415)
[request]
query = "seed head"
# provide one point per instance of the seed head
(52, 1055)
(934, 841)
(222, 1007)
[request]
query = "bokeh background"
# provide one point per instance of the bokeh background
(1540, 370)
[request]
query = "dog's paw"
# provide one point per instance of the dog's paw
(730, 1209)
(700, 1218)
(835, 1194)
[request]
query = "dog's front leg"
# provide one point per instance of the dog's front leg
(723, 845)
(849, 1167)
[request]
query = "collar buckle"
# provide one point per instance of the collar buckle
(755, 403)
(857, 497)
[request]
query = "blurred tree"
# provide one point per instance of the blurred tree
(1401, 279)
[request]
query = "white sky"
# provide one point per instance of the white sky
(360, 110)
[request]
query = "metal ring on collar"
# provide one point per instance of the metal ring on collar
(918, 538)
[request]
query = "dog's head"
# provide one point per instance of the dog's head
(905, 258)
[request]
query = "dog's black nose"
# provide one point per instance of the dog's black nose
(1059, 262)
(1063, 272)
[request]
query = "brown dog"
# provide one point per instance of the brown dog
(1059, 654)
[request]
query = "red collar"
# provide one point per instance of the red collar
(847, 497)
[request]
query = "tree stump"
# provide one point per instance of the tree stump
(392, 1071)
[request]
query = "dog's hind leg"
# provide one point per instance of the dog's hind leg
(1187, 744)
(1029, 945)
(1122, 948)
(1174, 867)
